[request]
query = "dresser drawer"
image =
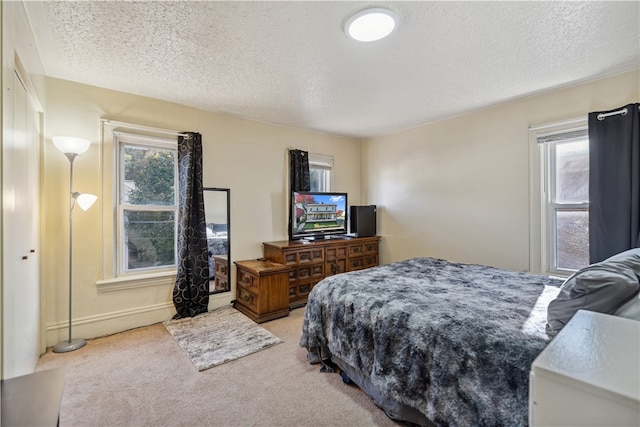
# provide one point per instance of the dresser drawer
(248, 281)
(358, 263)
(298, 293)
(363, 249)
(246, 298)
(304, 256)
(305, 272)
(334, 253)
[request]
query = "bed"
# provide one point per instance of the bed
(435, 342)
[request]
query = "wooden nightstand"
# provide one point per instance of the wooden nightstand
(262, 289)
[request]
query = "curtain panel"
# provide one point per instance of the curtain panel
(614, 181)
(299, 170)
(191, 291)
(299, 178)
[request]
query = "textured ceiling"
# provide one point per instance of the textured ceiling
(290, 63)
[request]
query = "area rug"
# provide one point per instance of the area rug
(219, 336)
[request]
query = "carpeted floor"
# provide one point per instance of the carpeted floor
(143, 378)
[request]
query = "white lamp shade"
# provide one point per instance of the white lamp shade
(85, 201)
(71, 144)
(371, 24)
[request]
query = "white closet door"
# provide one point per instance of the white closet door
(21, 299)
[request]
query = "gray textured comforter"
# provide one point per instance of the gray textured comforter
(455, 341)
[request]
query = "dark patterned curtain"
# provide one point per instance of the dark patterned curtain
(299, 179)
(191, 291)
(299, 170)
(614, 181)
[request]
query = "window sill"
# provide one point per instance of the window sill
(136, 282)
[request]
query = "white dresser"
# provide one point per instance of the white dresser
(589, 375)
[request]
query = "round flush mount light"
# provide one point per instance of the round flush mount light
(371, 24)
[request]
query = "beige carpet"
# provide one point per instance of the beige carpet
(219, 336)
(143, 378)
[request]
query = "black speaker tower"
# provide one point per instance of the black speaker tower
(363, 220)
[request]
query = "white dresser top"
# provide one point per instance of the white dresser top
(599, 351)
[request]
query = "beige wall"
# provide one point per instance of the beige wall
(459, 188)
(246, 156)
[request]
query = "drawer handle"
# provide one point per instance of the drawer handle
(246, 298)
(246, 279)
(335, 267)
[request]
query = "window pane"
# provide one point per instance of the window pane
(319, 178)
(572, 172)
(149, 176)
(149, 239)
(572, 239)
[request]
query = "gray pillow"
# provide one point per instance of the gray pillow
(631, 309)
(603, 287)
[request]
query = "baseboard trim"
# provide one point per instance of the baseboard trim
(118, 321)
(110, 323)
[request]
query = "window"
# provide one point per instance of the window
(320, 172)
(147, 203)
(565, 200)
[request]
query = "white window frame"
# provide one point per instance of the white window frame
(543, 248)
(120, 140)
(323, 162)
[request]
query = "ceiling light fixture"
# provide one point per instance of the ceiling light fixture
(371, 24)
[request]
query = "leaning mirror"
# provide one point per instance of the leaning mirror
(217, 213)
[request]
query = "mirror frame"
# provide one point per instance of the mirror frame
(228, 198)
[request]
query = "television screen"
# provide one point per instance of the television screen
(318, 214)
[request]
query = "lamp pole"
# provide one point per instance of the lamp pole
(71, 344)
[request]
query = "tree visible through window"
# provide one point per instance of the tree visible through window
(147, 205)
(568, 201)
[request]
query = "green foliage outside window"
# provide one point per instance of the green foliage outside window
(152, 173)
(149, 180)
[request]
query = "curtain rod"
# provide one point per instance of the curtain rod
(144, 128)
(576, 121)
(623, 111)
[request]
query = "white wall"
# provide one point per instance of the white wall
(246, 156)
(22, 301)
(459, 188)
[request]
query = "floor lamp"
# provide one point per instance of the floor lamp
(72, 147)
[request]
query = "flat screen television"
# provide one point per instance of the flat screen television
(316, 215)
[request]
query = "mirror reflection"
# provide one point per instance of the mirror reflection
(216, 207)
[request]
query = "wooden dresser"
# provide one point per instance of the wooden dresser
(261, 289)
(312, 261)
